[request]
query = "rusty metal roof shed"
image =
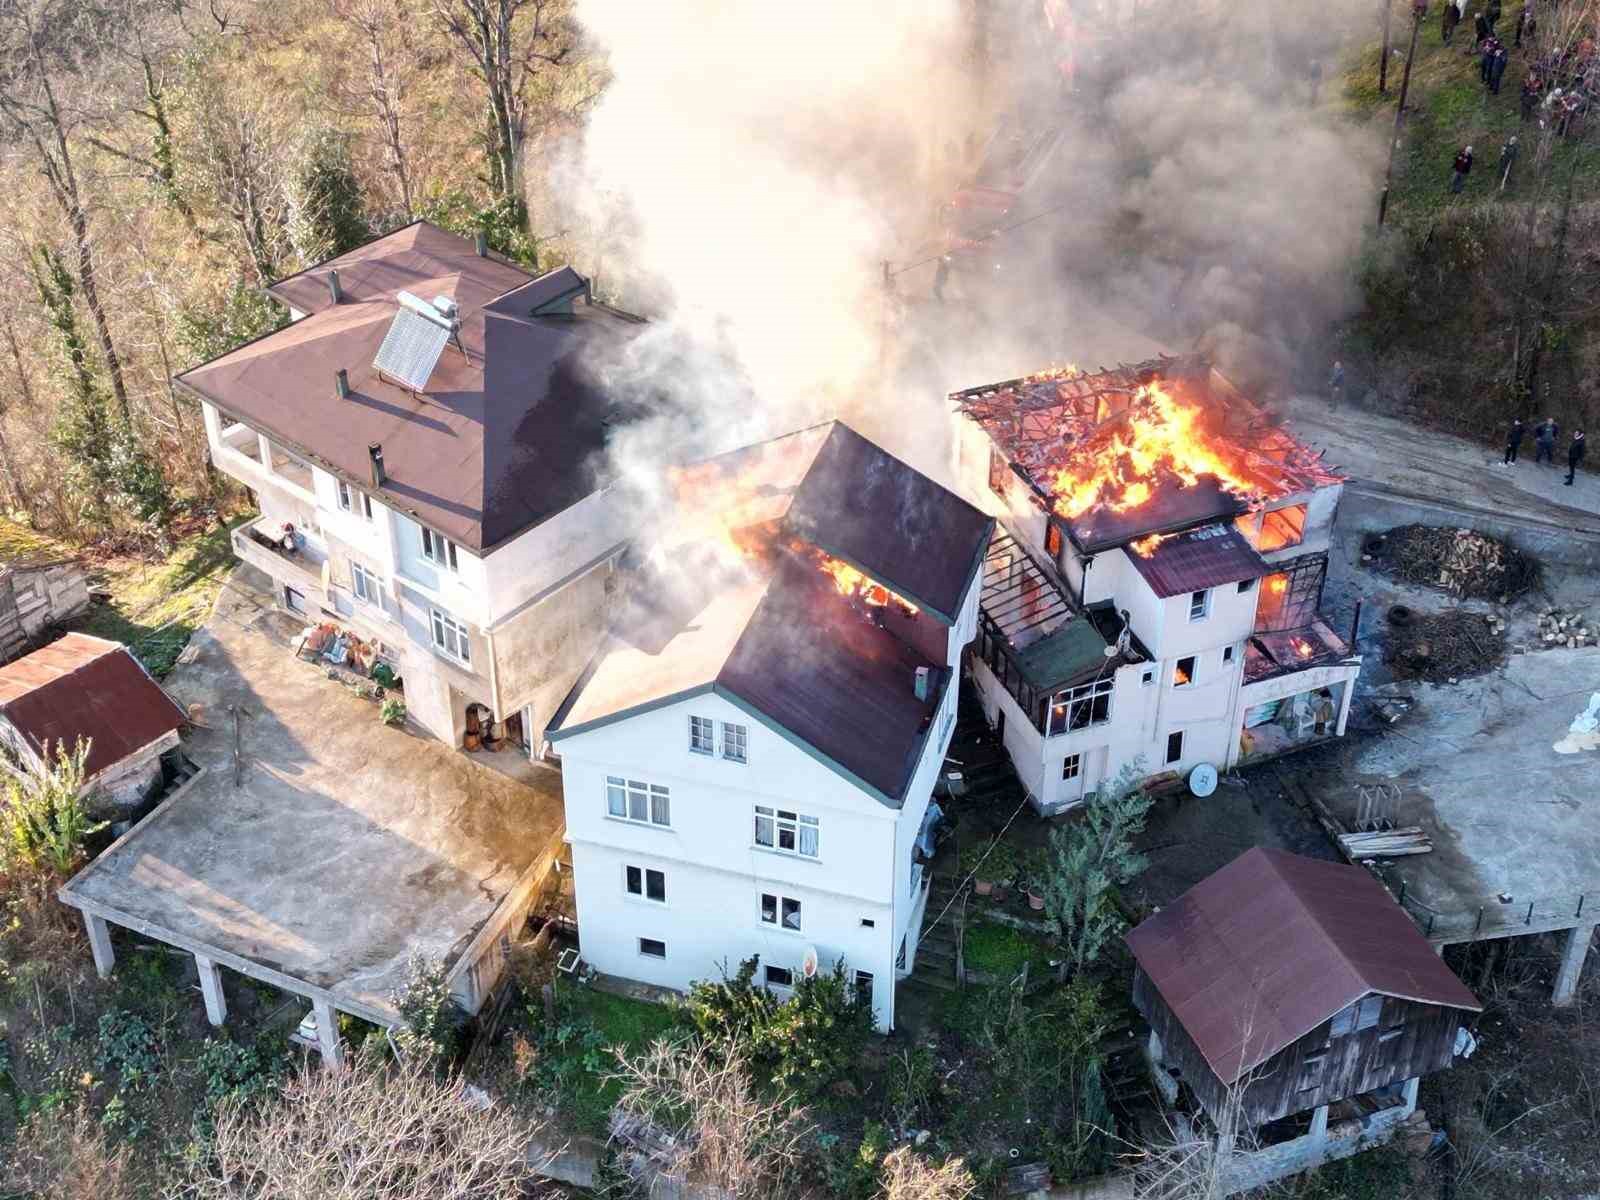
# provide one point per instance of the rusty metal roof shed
(1258, 954)
(1198, 559)
(82, 686)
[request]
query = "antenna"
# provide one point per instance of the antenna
(411, 348)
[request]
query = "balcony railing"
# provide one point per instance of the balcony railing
(267, 544)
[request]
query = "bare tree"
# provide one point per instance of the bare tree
(61, 1157)
(381, 27)
(906, 1175)
(720, 1130)
(508, 43)
(367, 1133)
(38, 41)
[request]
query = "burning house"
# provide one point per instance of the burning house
(1152, 590)
(748, 761)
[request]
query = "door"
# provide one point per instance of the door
(293, 600)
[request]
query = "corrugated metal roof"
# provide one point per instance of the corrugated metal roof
(1258, 954)
(82, 686)
(1197, 559)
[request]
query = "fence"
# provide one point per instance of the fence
(1494, 917)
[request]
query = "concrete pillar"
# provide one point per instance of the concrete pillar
(1578, 939)
(105, 958)
(328, 1034)
(1411, 1093)
(211, 989)
(1319, 1122)
(265, 447)
(1344, 704)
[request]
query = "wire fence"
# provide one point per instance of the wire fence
(1502, 916)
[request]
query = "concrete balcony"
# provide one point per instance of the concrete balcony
(262, 544)
(253, 459)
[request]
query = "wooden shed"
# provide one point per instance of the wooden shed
(1297, 982)
(90, 688)
(42, 585)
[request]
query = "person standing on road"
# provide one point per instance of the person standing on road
(1513, 441)
(1461, 168)
(1575, 455)
(1544, 441)
(1336, 385)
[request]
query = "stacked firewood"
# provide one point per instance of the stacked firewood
(1386, 843)
(1559, 627)
(1463, 562)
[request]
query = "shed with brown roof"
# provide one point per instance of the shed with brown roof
(1293, 983)
(90, 688)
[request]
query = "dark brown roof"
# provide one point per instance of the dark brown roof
(1197, 559)
(82, 686)
(1171, 507)
(509, 433)
(771, 632)
(1257, 955)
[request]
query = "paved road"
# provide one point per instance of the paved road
(1388, 455)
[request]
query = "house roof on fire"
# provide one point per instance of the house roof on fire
(1197, 559)
(1043, 422)
(509, 427)
(86, 687)
(1262, 952)
(736, 598)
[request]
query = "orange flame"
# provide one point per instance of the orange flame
(849, 582)
(1146, 546)
(1277, 584)
(1302, 647)
(1158, 436)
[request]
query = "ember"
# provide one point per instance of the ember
(851, 582)
(1302, 647)
(1146, 546)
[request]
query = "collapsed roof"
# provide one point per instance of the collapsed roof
(1258, 954)
(1053, 425)
(86, 687)
(510, 425)
(805, 579)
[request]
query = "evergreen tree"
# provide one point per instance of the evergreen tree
(327, 214)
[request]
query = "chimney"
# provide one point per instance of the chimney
(921, 685)
(483, 244)
(375, 453)
(341, 383)
(334, 289)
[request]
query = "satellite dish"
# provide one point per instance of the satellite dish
(1203, 780)
(808, 962)
(1109, 651)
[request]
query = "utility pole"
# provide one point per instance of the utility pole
(1400, 112)
(1383, 59)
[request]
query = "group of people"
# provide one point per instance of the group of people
(1545, 435)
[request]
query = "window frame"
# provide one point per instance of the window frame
(1246, 585)
(998, 470)
(363, 584)
(781, 907)
(1175, 758)
(1295, 536)
(346, 496)
(1227, 655)
(1063, 708)
(647, 793)
(863, 991)
(440, 550)
(741, 736)
(1052, 538)
(697, 726)
(768, 981)
(1189, 675)
(644, 953)
(1072, 767)
(791, 821)
(630, 871)
(439, 624)
(1199, 605)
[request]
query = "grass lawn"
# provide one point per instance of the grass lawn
(155, 606)
(620, 1020)
(1449, 107)
(1001, 950)
(589, 1024)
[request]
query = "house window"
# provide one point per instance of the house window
(1282, 527)
(1081, 707)
(779, 976)
(1311, 1071)
(702, 734)
(1199, 605)
(1390, 1034)
(651, 948)
(1174, 746)
(1071, 766)
(1148, 677)
(868, 923)
(450, 637)
(1052, 539)
(631, 800)
(863, 985)
(1354, 1018)
(646, 882)
(780, 910)
(735, 742)
(1183, 672)
(363, 584)
(1227, 654)
(997, 473)
(787, 832)
(439, 550)
(1245, 585)
(351, 500)
(344, 495)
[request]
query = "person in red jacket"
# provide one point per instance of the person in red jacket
(1461, 169)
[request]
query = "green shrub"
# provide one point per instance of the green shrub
(392, 711)
(850, 1171)
(44, 817)
(731, 1009)
(432, 1020)
(127, 1046)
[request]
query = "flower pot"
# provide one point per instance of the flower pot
(983, 886)
(1035, 901)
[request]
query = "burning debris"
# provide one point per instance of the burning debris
(1467, 564)
(1443, 647)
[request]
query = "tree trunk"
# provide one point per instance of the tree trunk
(1383, 61)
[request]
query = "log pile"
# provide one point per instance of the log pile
(1445, 647)
(1462, 562)
(1386, 843)
(1558, 627)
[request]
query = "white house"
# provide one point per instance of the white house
(425, 441)
(748, 762)
(1153, 589)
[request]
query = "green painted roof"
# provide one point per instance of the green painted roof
(1070, 651)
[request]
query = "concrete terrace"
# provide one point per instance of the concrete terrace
(346, 845)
